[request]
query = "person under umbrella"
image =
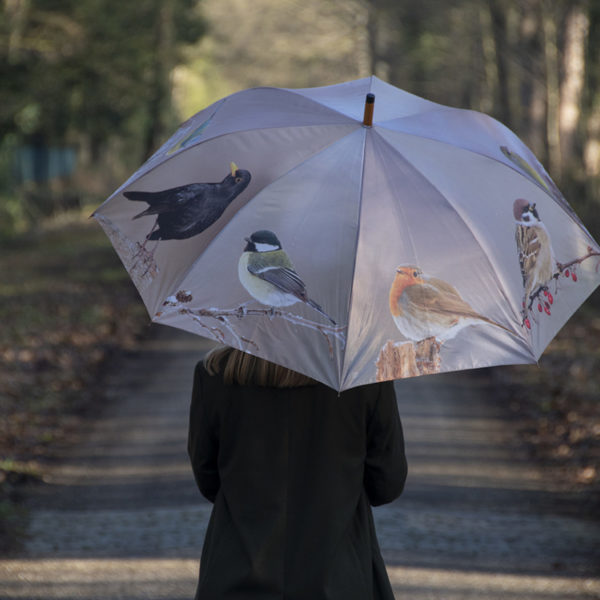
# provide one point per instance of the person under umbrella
(292, 468)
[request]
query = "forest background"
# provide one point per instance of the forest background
(90, 88)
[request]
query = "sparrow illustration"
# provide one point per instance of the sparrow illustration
(424, 307)
(268, 275)
(535, 250)
(185, 211)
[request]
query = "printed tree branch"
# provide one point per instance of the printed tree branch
(544, 304)
(225, 316)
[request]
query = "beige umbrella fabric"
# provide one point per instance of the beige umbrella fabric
(286, 224)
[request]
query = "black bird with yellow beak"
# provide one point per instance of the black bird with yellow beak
(185, 211)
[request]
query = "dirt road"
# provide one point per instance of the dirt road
(120, 517)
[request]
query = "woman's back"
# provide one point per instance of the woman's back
(292, 472)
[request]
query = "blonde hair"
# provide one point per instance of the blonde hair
(241, 368)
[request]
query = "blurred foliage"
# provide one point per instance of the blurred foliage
(85, 74)
(112, 79)
(89, 67)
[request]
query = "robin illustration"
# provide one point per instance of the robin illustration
(535, 250)
(424, 307)
(268, 275)
(185, 211)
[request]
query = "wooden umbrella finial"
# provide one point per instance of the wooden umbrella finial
(369, 106)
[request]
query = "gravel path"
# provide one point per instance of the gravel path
(120, 517)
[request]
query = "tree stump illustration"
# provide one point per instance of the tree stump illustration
(408, 359)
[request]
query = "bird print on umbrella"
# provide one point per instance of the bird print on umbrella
(185, 211)
(536, 257)
(423, 307)
(268, 275)
(543, 181)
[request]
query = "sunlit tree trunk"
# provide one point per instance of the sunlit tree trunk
(366, 34)
(592, 147)
(591, 152)
(576, 32)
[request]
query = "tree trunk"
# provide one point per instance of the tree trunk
(16, 12)
(591, 155)
(366, 40)
(576, 33)
(490, 62)
(160, 92)
(499, 30)
(531, 77)
(591, 162)
(552, 88)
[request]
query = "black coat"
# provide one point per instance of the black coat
(291, 473)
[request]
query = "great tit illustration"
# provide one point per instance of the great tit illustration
(268, 275)
(185, 211)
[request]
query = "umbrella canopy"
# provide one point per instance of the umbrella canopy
(353, 242)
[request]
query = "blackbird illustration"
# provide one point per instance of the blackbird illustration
(536, 257)
(424, 306)
(268, 275)
(185, 211)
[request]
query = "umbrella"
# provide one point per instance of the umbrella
(354, 233)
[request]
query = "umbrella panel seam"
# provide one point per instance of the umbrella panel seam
(382, 124)
(490, 261)
(175, 287)
(342, 375)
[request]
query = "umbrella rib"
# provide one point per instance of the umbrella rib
(360, 100)
(298, 92)
(342, 372)
(203, 141)
(168, 144)
(566, 209)
(486, 254)
(176, 286)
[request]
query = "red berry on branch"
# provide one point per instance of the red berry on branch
(550, 298)
(566, 272)
(574, 276)
(547, 308)
(545, 292)
(527, 324)
(540, 307)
